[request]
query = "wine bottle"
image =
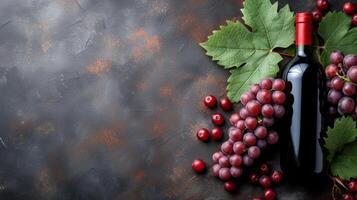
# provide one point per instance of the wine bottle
(303, 126)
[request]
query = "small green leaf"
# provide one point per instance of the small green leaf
(343, 132)
(335, 31)
(248, 53)
(344, 164)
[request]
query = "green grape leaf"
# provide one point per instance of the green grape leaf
(335, 30)
(344, 164)
(343, 132)
(247, 50)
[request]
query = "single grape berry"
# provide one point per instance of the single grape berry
(230, 186)
(277, 177)
(272, 137)
(234, 118)
(210, 101)
(249, 139)
(268, 122)
(264, 168)
(254, 88)
(337, 83)
(354, 20)
(235, 160)
(348, 89)
(246, 97)
(350, 60)
(253, 179)
(215, 169)
(317, 16)
(279, 111)
(240, 124)
(236, 172)
(243, 113)
(254, 152)
(265, 181)
(238, 148)
(261, 132)
(224, 174)
(217, 119)
(235, 134)
(198, 166)
(264, 96)
(347, 197)
(225, 104)
(227, 148)
(251, 123)
(332, 111)
(216, 156)
(270, 194)
(336, 57)
(223, 161)
(278, 97)
(346, 105)
(253, 107)
(262, 144)
(266, 83)
(248, 161)
(349, 8)
(331, 71)
(352, 186)
(334, 96)
(216, 134)
(267, 110)
(279, 84)
(352, 74)
(321, 4)
(203, 134)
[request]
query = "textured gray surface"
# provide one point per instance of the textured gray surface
(101, 99)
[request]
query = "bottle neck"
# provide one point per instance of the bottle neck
(303, 50)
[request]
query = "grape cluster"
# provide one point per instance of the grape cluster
(341, 83)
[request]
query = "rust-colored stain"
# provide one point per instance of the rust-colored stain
(139, 175)
(166, 91)
(144, 44)
(99, 67)
(197, 28)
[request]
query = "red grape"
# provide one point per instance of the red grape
(268, 122)
(216, 133)
(272, 137)
(249, 139)
(348, 89)
(331, 71)
(203, 134)
(277, 177)
(337, 83)
(225, 104)
(253, 107)
(334, 96)
(262, 144)
(264, 168)
(264, 96)
(246, 97)
(240, 124)
(321, 4)
(354, 20)
(266, 83)
(347, 197)
(260, 132)
(265, 181)
(217, 119)
(352, 74)
(270, 194)
(349, 8)
(254, 152)
(247, 161)
(198, 166)
(243, 113)
(336, 57)
(350, 60)
(236, 172)
(251, 123)
(234, 118)
(254, 179)
(279, 111)
(317, 15)
(346, 105)
(230, 186)
(215, 169)
(278, 97)
(235, 160)
(239, 148)
(352, 186)
(235, 134)
(210, 101)
(224, 174)
(254, 88)
(279, 84)
(223, 161)
(227, 148)
(267, 110)
(216, 156)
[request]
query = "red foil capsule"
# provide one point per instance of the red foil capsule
(303, 34)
